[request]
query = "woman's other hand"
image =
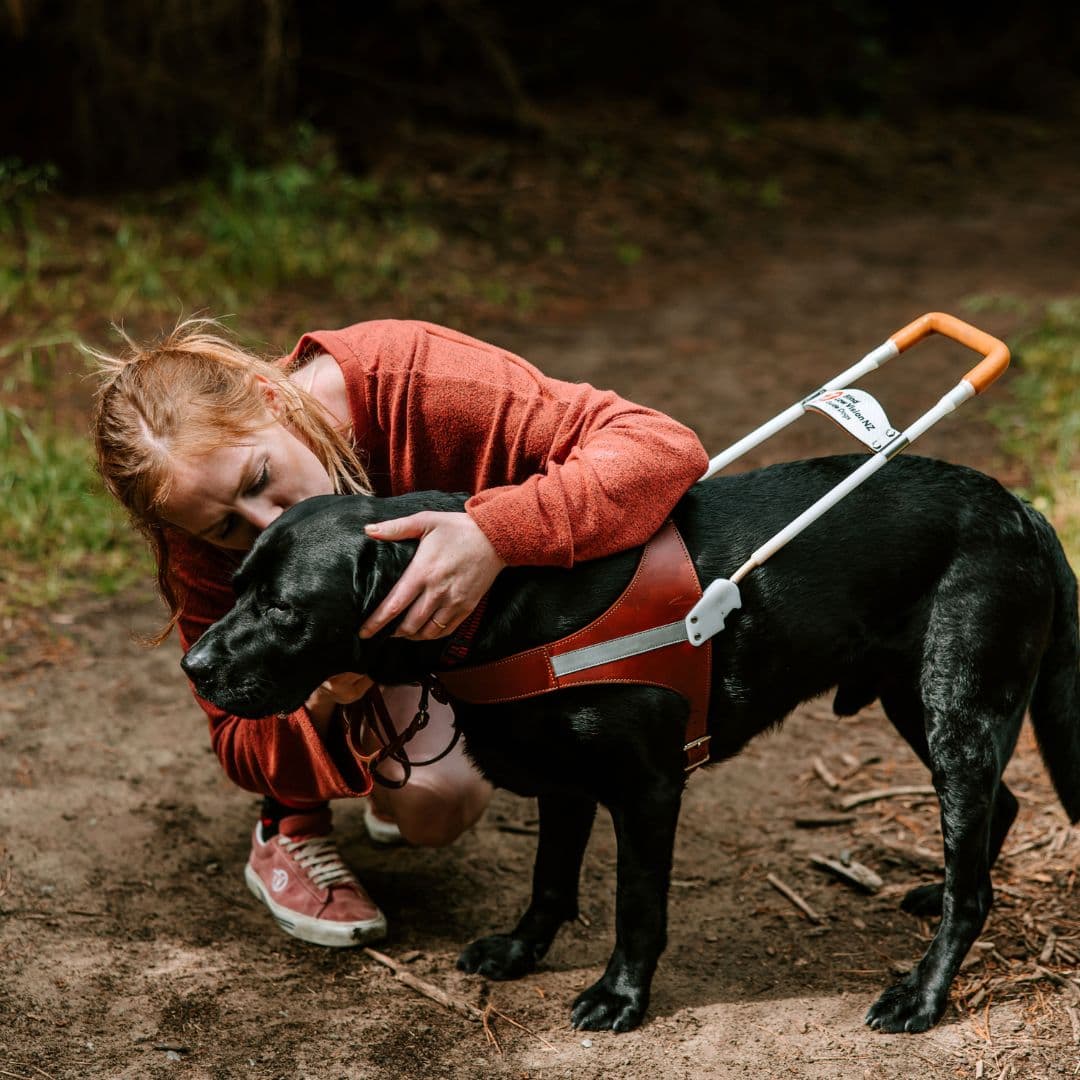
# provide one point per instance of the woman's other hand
(453, 567)
(338, 690)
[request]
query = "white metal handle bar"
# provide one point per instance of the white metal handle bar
(995, 360)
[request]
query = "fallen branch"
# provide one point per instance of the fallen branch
(853, 873)
(794, 897)
(885, 793)
(915, 855)
(1059, 980)
(1031, 845)
(1048, 949)
(1074, 1019)
(826, 821)
(435, 993)
(827, 777)
(422, 986)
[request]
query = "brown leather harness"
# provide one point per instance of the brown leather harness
(648, 615)
(640, 639)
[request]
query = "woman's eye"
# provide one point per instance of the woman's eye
(261, 480)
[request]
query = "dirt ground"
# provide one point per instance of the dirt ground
(130, 947)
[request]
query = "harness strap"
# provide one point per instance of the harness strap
(640, 639)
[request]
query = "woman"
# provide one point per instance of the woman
(205, 445)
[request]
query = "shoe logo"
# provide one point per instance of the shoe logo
(278, 880)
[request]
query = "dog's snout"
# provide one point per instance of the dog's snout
(197, 662)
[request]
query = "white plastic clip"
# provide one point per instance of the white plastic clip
(707, 616)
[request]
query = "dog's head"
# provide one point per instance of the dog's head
(302, 592)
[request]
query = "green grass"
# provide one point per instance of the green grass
(269, 237)
(1041, 426)
(59, 532)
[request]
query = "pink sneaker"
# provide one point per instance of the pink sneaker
(300, 876)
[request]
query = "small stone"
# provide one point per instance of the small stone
(587, 1043)
(858, 924)
(172, 1055)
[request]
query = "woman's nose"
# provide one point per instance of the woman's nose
(259, 517)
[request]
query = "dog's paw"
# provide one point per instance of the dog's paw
(601, 1008)
(904, 1006)
(499, 956)
(925, 901)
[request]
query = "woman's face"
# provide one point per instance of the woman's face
(228, 496)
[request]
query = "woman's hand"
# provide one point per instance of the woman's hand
(338, 690)
(453, 567)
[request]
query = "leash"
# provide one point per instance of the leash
(378, 719)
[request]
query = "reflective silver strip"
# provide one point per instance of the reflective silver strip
(619, 648)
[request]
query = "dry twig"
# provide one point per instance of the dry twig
(853, 873)
(422, 986)
(885, 793)
(824, 821)
(827, 777)
(794, 897)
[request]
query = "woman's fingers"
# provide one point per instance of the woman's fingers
(453, 567)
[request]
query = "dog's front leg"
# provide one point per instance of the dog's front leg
(565, 824)
(645, 833)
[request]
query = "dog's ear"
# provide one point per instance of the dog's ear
(379, 564)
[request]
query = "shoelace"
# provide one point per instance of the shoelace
(319, 856)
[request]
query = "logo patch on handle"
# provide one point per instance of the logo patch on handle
(858, 413)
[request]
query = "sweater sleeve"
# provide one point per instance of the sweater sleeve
(281, 756)
(562, 471)
(614, 474)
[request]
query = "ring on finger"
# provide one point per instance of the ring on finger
(440, 625)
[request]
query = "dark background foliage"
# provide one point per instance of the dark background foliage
(131, 93)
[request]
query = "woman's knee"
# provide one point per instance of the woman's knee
(434, 816)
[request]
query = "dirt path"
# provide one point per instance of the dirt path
(125, 927)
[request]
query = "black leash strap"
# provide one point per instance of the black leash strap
(378, 718)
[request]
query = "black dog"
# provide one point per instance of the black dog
(929, 587)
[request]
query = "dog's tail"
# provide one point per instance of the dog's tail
(1055, 704)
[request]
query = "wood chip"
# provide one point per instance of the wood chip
(862, 877)
(885, 793)
(1074, 1019)
(915, 855)
(794, 897)
(826, 777)
(1048, 948)
(825, 821)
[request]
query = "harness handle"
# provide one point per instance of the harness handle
(995, 353)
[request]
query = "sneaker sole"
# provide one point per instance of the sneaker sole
(383, 833)
(317, 931)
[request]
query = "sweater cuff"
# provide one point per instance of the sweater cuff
(342, 775)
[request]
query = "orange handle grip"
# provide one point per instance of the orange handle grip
(995, 353)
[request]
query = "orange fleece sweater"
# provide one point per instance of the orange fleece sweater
(561, 472)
